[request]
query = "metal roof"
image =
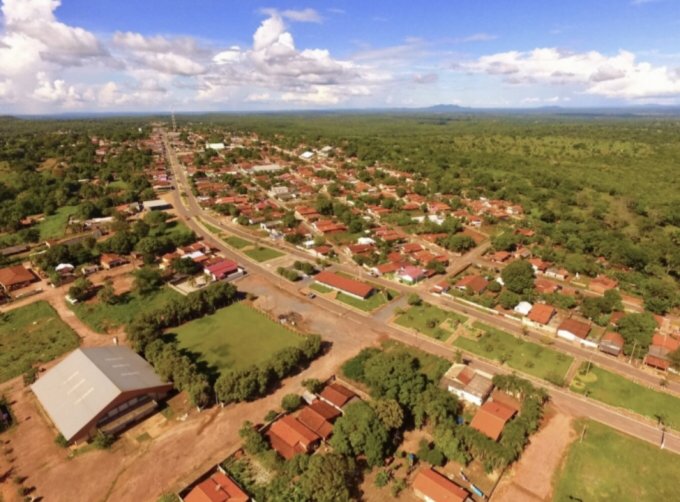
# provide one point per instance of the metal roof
(77, 389)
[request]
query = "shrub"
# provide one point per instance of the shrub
(61, 441)
(313, 385)
(382, 479)
(102, 440)
(271, 415)
(30, 376)
(291, 402)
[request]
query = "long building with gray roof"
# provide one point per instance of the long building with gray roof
(105, 388)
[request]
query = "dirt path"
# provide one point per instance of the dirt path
(531, 478)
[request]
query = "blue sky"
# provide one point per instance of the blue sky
(106, 55)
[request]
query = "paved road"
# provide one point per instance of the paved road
(350, 321)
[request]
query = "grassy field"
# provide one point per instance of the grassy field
(616, 390)
(262, 253)
(54, 226)
(237, 242)
(30, 335)
(524, 356)
(234, 337)
(102, 317)
(609, 465)
(320, 288)
(377, 299)
(428, 319)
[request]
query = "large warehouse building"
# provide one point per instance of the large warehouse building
(107, 388)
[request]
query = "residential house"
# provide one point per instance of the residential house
(219, 487)
(430, 486)
(476, 283)
(542, 313)
(575, 330)
(470, 385)
(491, 418)
(611, 343)
(289, 437)
(319, 417)
(111, 260)
(337, 395)
(410, 274)
(351, 287)
(223, 270)
(602, 283)
(16, 277)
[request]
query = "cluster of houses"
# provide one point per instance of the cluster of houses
(494, 408)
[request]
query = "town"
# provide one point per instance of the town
(195, 310)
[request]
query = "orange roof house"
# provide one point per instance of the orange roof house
(289, 437)
(346, 285)
(573, 328)
(476, 283)
(431, 486)
(491, 418)
(541, 313)
(602, 283)
(337, 395)
(15, 277)
(217, 488)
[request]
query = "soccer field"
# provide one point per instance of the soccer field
(235, 337)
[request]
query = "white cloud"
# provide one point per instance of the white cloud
(299, 16)
(619, 76)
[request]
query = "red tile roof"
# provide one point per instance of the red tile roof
(315, 422)
(336, 394)
(436, 487)
(491, 418)
(476, 283)
(222, 268)
(541, 313)
(217, 488)
(345, 284)
(289, 437)
(13, 276)
(667, 342)
(577, 328)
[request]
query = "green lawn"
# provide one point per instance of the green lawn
(102, 317)
(524, 356)
(320, 288)
(30, 335)
(212, 228)
(428, 319)
(616, 390)
(237, 242)
(235, 337)
(371, 303)
(54, 226)
(608, 465)
(262, 253)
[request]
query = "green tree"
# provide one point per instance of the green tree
(291, 402)
(389, 412)
(360, 431)
(147, 280)
(329, 478)
(518, 276)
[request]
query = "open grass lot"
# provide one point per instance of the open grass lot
(235, 337)
(320, 288)
(616, 390)
(30, 335)
(102, 317)
(237, 242)
(609, 465)
(54, 226)
(377, 299)
(524, 356)
(427, 319)
(261, 253)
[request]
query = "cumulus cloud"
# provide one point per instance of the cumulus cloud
(277, 67)
(619, 76)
